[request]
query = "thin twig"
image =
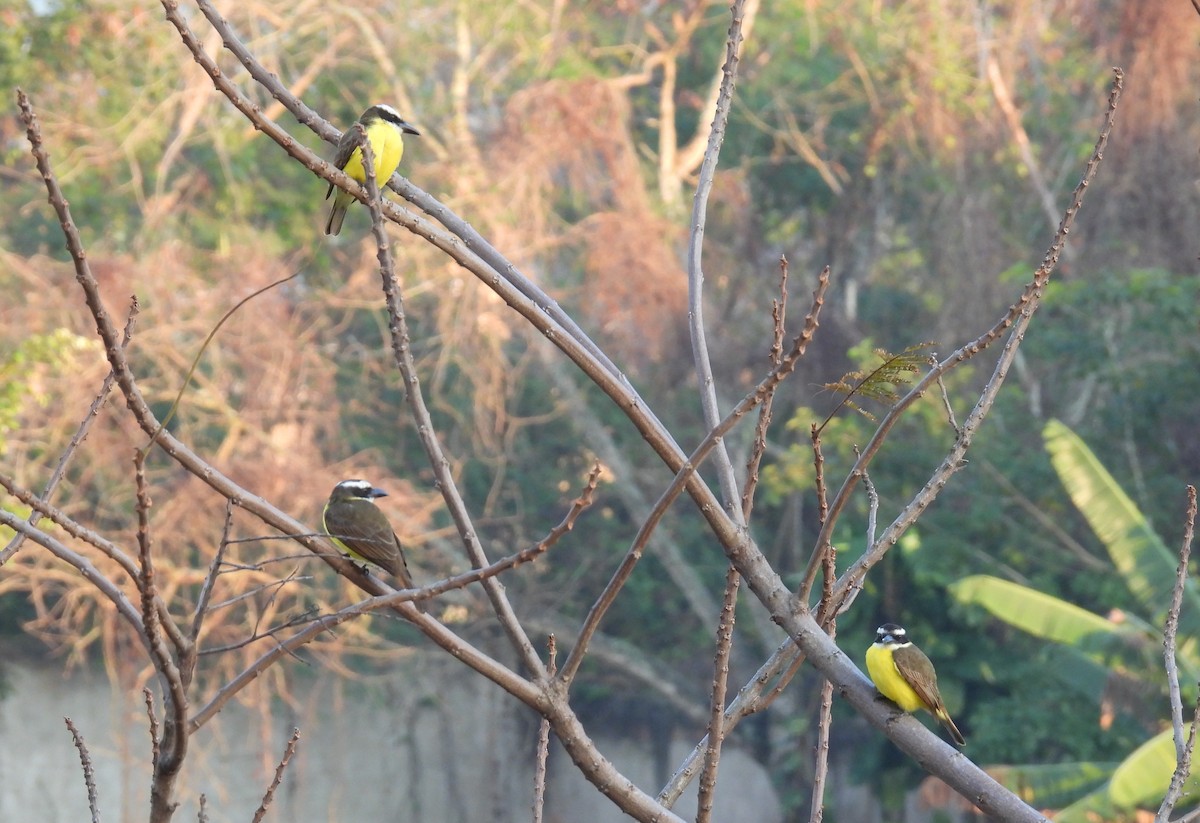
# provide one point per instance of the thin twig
(720, 686)
(89, 772)
(85, 425)
(946, 404)
(446, 483)
(210, 579)
(152, 725)
(86, 568)
(708, 167)
(288, 751)
(174, 737)
(828, 574)
(187, 378)
(1183, 745)
(92, 538)
(684, 475)
(821, 767)
(543, 743)
(759, 446)
(745, 704)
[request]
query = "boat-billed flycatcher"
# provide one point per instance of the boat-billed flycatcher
(904, 675)
(358, 526)
(385, 130)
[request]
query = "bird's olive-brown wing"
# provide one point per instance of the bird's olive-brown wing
(366, 531)
(916, 668)
(341, 157)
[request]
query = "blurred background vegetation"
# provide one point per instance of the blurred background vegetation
(921, 150)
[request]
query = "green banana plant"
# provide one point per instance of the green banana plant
(1096, 648)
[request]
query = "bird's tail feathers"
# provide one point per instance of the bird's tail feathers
(944, 718)
(336, 215)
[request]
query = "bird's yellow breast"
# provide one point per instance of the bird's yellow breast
(388, 145)
(887, 678)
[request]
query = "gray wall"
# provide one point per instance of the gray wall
(430, 743)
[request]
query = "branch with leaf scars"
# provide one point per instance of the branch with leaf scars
(1012, 326)
(828, 573)
(717, 727)
(720, 686)
(81, 432)
(402, 351)
(746, 703)
(148, 696)
(759, 447)
(821, 769)
(687, 472)
(175, 734)
(1183, 745)
(269, 795)
(210, 579)
(89, 772)
(543, 742)
(946, 403)
(708, 168)
(523, 689)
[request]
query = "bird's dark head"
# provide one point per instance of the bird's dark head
(891, 633)
(355, 489)
(382, 111)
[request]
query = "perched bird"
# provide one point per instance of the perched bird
(385, 131)
(358, 526)
(904, 675)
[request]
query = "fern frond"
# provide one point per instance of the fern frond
(881, 383)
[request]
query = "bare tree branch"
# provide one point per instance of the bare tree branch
(175, 733)
(81, 432)
(402, 351)
(288, 751)
(759, 447)
(1183, 744)
(543, 744)
(683, 480)
(210, 579)
(89, 772)
(720, 685)
(828, 573)
(708, 167)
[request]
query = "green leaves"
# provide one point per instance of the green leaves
(1094, 648)
(1146, 564)
(880, 383)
